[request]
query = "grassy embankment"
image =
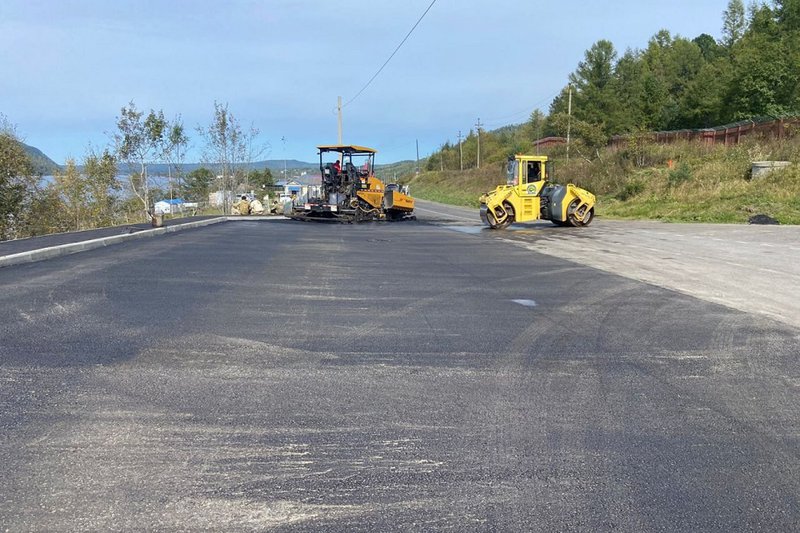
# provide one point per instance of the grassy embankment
(684, 182)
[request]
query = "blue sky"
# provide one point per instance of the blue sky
(68, 66)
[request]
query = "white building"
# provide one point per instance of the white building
(169, 207)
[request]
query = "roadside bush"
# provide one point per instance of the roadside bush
(630, 189)
(681, 174)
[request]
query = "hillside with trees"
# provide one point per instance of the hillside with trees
(42, 164)
(751, 73)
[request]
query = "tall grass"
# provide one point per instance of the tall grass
(454, 187)
(685, 181)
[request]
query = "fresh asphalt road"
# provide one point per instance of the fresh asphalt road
(57, 239)
(400, 377)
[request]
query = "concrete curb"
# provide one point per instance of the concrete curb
(41, 254)
(254, 218)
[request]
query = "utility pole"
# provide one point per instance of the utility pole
(283, 140)
(339, 109)
(441, 159)
(569, 117)
(478, 126)
(417, 156)
(460, 153)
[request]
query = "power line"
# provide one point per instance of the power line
(391, 56)
(499, 120)
(512, 115)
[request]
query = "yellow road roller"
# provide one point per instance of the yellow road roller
(529, 196)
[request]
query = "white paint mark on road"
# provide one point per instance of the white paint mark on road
(472, 230)
(441, 214)
(526, 303)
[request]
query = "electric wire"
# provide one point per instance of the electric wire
(499, 120)
(391, 56)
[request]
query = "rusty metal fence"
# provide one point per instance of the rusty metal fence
(729, 134)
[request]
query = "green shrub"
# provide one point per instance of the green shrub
(681, 174)
(630, 190)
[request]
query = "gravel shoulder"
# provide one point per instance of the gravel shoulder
(751, 268)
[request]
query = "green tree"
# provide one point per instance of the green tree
(593, 99)
(761, 19)
(138, 141)
(225, 144)
(47, 213)
(470, 150)
(534, 128)
(172, 150)
(100, 171)
(765, 79)
(671, 65)
(197, 184)
(73, 190)
(250, 149)
(587, 138)
(788, 14)
(630, 86)
(709, 48)
(17, 181)
(704, 104)
(260, 179)
(733, 23)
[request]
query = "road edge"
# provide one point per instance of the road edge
(32, 256)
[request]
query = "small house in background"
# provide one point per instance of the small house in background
(169, 207)
(303, 186)
(290, 186)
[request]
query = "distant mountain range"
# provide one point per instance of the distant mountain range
(45, 166)
(272, 164)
